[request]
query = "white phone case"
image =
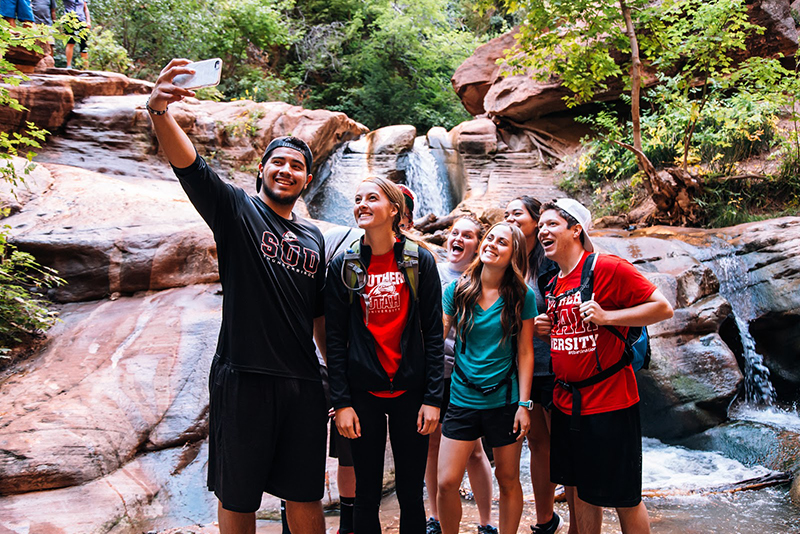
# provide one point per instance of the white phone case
(207, 74)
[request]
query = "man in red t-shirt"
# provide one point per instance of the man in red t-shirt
(600, 464)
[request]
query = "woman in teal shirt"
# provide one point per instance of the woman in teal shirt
(492, 310)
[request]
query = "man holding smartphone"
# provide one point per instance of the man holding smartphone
(267, 422)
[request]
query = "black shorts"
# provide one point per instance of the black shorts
(469, 424)
(542, 390)
(339, 447)
(79, 36)
(266, 434)
(603, 461)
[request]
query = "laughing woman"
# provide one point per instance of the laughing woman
(383, 318)
(492, 311)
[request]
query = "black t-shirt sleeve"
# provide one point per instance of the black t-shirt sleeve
(430, 314)
(212, 197)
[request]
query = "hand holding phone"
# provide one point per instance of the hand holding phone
(207, 73)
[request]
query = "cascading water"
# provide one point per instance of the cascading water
(331, 197)
(735, 286)
(428, 180)
(734, 283)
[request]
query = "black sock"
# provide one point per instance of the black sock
(346, 515)
(284, 522)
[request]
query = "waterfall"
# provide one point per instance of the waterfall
(734, 281)
(330, 197)
(429, 180)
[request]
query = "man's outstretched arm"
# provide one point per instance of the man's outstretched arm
(173, 140)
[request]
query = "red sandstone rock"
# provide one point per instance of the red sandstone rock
(105, 235)
(482, 88)
(475, 137)
(118, 377)
(50, 97)
(475, 76)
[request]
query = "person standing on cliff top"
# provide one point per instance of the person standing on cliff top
(267, 421)
(596, 437)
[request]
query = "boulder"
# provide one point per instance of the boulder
(117, 378)
(475, 76)
(50, 97)
(36, 180)
(752, 443)
(478, 136)
(26, 60)
(388, 140)
(105, 235)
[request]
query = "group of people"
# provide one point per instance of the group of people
(454, 358)
(44, 12)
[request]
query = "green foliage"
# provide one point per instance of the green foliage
(575, 41)
(391, 63)
(731, 129)
(730, 202)
(105, 53)
(20, 309)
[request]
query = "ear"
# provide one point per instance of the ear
(260, 168)
(308, 180)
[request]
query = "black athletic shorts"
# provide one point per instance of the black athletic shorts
(469, 424)
(339, 447)
(542, 390)
(266, 434)
(603, 461)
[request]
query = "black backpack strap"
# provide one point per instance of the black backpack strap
(342, 240)
(587, 277)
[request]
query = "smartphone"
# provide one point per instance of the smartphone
(206, 74)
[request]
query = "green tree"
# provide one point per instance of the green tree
(21, 311)
(386, 62)
(590, 44)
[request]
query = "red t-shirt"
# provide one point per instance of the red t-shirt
(617, 285)
(388, 312)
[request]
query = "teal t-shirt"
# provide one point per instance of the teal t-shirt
(487, 358)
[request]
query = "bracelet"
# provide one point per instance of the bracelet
(154, 111)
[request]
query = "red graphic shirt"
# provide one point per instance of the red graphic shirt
(388, 312)
(617, 285)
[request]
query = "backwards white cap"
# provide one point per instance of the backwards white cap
(582, 215)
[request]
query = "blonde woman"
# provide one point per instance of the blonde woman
(385, 354)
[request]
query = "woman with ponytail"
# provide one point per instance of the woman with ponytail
(385, 354)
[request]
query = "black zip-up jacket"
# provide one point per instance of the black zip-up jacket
(352, 360)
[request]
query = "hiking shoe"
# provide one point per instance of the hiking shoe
(486, 529)
(433, 526)
(550, 527)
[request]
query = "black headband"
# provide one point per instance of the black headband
(294, 143)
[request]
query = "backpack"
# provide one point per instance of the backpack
(636, 352)
(354, 274)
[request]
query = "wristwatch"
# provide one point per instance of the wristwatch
(526, 404)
